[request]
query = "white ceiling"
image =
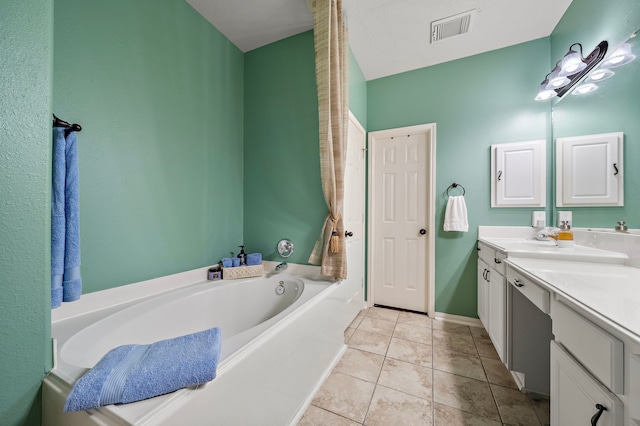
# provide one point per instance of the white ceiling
(390, 36)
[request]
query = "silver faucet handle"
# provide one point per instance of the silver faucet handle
(541, 236)
(621, 226)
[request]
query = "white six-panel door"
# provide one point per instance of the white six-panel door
(401, 231)
(354, 202)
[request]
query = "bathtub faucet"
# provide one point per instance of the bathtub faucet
(281, 267)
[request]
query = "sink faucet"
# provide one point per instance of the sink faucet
(281, 267)
(547, 236)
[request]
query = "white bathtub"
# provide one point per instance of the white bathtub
(276, 349)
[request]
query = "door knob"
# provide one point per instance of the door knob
(348, 234)
(423, 231)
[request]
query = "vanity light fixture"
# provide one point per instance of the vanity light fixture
(570, 70)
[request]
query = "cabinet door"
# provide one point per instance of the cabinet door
(575, 394)
(497, 312)
(483, 293)
(518, 173)
(589, 170)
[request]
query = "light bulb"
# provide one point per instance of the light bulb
(600, 74)
(584, 89)
(621, 55)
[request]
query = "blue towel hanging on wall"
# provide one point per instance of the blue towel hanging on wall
(66, 281)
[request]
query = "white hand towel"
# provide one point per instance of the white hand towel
(455, 217)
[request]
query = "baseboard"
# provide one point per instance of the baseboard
(458, 319)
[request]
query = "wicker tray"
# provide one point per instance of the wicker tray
(242, 272)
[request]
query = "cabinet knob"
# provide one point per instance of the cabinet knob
(596, 416)
(498, 261)
(423, 231)
(518, 283)
(348, 234)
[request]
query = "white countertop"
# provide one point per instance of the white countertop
(531, 248)
(610, 291)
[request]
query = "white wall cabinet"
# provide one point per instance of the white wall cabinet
(589, 170)
(518, 174)
(576, 396)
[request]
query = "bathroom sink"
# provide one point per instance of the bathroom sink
(523, 244)
(537, 243)
(532, 248)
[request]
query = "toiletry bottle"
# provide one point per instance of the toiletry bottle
(565, 235)
(242, 256)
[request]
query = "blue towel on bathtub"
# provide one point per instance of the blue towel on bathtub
(134, 372)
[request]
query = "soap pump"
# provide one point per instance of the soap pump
(565, 235)
(242, 256)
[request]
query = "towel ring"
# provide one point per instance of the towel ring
(455, 185)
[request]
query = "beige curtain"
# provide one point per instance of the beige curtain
(331, 50)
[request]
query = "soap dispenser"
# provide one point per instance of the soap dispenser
(565, 235)
(242, 256)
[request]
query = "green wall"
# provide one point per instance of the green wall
(475, 102)
(282, 193)
(357, 91)
(159, 94)
(25, 155)
(614, 107)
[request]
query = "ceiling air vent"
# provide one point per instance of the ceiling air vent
(451, 26)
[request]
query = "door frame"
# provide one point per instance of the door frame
(430, 131)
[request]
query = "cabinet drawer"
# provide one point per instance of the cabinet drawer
(485, 253)
(498, 262)
(493, 258)
(600, 352)
(532, 291)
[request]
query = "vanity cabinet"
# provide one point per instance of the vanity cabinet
(589, 170)
(576, 396)
(492, 296)
(518, 174)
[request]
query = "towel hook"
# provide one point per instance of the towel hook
(455, 185)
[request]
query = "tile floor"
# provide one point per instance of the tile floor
(403, 368)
